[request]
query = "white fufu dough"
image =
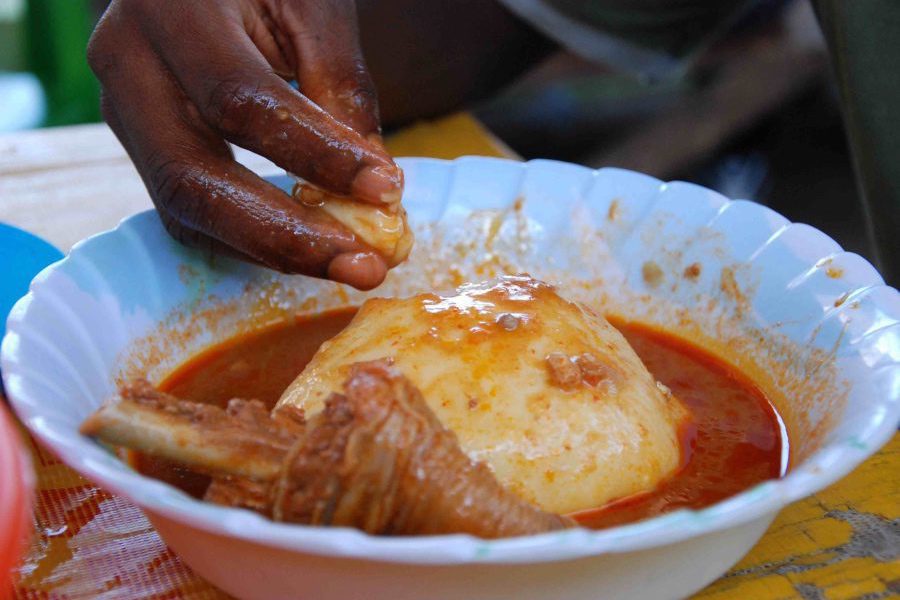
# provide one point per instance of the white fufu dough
(543, 390)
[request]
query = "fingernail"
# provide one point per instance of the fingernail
(379, 185)
(362, 270)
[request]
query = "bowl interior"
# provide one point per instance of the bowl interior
(814, 326)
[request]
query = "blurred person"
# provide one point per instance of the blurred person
(182, 79)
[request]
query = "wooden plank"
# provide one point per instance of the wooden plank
(40, 150)
(66, 204)
(64, 184)
(57, 147)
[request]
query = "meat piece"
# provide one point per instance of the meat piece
(236, 442)
(241, 492)
(378, 459)
(375, 458)
(564, 372)
(384, 227)
(542, 390)
(570, 372)
(594, 371)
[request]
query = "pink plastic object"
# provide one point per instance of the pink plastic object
(16, 484)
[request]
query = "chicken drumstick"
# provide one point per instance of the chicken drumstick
(375, 458)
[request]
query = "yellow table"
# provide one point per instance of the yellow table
(65, 184)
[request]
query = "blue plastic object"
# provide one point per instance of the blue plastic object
(22, 256)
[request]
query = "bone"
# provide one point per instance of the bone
(376, 458)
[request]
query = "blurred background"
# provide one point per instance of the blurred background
(755, 117)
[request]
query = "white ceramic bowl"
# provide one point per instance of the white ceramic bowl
(815, 326)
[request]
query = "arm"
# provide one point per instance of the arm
(430, 58)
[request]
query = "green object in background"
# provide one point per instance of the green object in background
(57, 32)
(864, 38)
(11, 51)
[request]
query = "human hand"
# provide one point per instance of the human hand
(182, 79)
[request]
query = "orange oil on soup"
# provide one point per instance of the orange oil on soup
(734, 440)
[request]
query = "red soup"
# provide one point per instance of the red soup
(735, 439)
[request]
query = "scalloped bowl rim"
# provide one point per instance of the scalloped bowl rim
(824, 467)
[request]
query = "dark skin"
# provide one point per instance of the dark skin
(182, 79)
(430, 58)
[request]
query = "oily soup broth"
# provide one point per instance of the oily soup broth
(734, 440)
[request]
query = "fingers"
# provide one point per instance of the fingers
(183, 234)
(239, 95)
(180, 232)
(204, 197)
(363, 270)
